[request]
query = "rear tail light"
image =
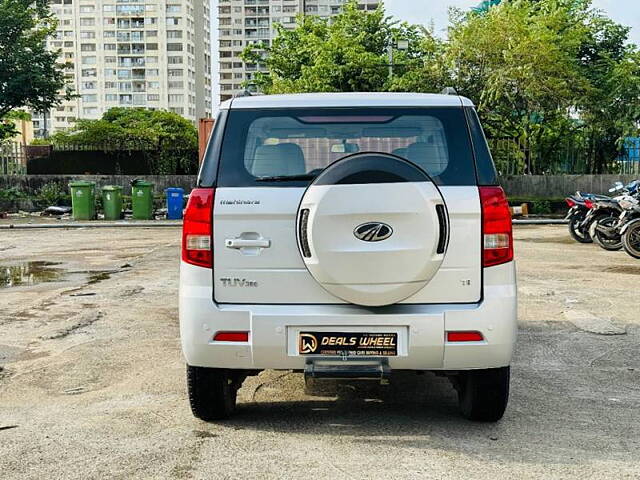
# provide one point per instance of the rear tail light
(570, 202)
(464, 337)
(588, 203)
(496, 227)
(231, 337)
(197, 228)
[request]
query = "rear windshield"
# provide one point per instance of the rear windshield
(265, 147)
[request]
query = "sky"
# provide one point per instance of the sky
(626, 12)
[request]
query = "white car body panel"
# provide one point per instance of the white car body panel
(422, 328)
(279, 274)
(351, 99)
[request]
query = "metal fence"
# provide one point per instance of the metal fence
(130, 158)
(13, 159)
(517, 157)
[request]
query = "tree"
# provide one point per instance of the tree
(128, 126)
(348, 54)
(30, 75)
(173, 137)
(556, 78)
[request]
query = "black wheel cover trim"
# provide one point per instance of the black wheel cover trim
(371, 167)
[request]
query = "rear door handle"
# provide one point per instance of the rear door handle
(246, 243)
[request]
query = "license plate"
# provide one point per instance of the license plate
(351, 343)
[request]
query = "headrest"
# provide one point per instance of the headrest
(280, 159)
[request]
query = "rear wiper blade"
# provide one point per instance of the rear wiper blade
(286, 178)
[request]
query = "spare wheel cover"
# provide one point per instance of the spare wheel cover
(372, 229)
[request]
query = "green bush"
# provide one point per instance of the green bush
(12, 194)
(541, 207)
(52, 194)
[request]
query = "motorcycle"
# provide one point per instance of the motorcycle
(580, 205)
(631, 235)
(606, 229)
(589, 209)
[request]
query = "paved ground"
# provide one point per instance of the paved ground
(93, 379)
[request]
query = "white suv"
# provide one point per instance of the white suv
(346, 236)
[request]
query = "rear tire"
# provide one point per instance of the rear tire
(483, 394)
(631, 240)
(611, 243)
(576, 233)
(212, 392)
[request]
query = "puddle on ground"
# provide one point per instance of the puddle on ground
(30, 273)
(95, 277)
(23, 274)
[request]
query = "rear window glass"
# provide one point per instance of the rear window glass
(259, 145)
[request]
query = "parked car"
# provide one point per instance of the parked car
(348, 235)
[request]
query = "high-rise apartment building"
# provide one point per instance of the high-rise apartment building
(246, 22)
(132, 53)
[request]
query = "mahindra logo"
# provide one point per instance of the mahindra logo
(373, 231)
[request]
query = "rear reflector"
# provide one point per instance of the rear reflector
(588, 203)
(497, 244)
(231, 337)
(464, 337)
(196, 228)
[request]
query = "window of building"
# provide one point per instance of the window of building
(88, 60)
(87, 35)
(90, 98)
(88, 47)
(174, 33)
(87, 22)
(153, 97)
(174, 47)
(175, 72)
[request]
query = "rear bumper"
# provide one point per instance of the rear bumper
(421, 329)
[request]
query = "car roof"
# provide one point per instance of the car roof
(355, 99)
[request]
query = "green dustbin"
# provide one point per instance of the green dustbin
(142, 200)
(83, 200)
(112, 202)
